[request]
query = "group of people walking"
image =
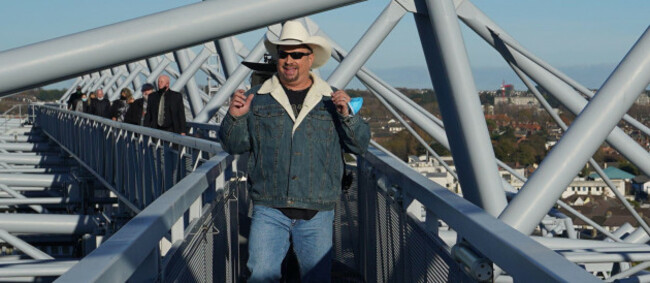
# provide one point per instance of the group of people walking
(160, 109)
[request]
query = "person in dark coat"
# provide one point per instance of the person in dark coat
(137, 114)
(131, 116)
(72, 100)
(170, 106)
(120, 106)
(101, 106)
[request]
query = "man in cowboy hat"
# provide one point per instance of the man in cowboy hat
(295, 135)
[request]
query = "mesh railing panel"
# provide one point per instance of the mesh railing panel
(206, 255)
(346, 228)
(427, 261)
(192, 262)
(396, 247)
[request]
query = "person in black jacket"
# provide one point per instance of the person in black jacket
(137, 114)
(120, 106)
(168, 103)
(72, 100)
(101, 106)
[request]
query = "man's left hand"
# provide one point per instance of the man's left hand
(341, 99)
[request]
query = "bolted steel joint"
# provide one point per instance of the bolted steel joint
(471, 263)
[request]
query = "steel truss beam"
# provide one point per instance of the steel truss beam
(51, 61)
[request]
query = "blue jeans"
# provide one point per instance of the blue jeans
(268, 244)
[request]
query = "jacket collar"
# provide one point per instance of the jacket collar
(318, 89)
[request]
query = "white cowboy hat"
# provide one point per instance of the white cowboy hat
(293, 33)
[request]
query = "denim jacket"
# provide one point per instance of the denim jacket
(294, 161)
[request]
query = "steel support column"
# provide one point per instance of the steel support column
(188, 77)
(460, 106)
(491, 33)
(591, 161)
(226, 51)
(211, 72)
(191, 88)
(582, 139)
(368, 43)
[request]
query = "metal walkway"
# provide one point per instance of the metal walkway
(86, 199)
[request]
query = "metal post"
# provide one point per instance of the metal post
(240, 74)
(69, 56)
(116, 94)
(191, 89)
(490, 32)
(228, 56)
(452, 78)
(582, 139)
(373, 37)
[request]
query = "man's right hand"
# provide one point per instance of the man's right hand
(240, 104)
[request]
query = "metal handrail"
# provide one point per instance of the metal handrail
(105, 147)
(516, 253)
(137, 239)
(196, 143)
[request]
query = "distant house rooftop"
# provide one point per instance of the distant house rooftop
(613, 173)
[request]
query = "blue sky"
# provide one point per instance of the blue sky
(582, 35)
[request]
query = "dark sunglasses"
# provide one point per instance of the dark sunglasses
(294, 55)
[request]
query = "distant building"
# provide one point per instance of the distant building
(614, 174)
(525, 101)
(434, 171)
(593, 188)
(605, 211)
